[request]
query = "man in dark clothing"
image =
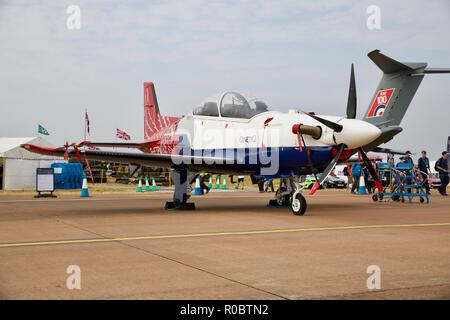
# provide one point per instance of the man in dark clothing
(405, 172)
(424, 167)
(442, 168)
(408, 158)
(368, 180)
(356, 174)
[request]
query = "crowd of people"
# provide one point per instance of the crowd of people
(356, 171)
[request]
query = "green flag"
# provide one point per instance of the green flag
(42, 130)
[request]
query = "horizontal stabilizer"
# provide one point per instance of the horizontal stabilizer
(387, 64)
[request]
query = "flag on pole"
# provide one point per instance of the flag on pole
(42, 130)
(122, 134)
(88, 128)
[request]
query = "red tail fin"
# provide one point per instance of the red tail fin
(153, 120)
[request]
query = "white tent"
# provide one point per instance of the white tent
(19, 165)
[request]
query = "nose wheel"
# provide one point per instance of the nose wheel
(290, 194)
(298, 204)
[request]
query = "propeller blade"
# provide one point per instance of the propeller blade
(66, 152)
(372, 170)
(327, 171)
(77, 152)
(330, 124)
(351, 102)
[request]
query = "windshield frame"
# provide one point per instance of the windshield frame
(246, 103)
(218, 99)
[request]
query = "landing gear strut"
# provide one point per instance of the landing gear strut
(298, 202)
(182, 191)
(289, 194)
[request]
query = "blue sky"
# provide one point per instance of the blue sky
(295, 54)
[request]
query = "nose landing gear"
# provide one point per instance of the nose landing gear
(298, 204)
(289, 194)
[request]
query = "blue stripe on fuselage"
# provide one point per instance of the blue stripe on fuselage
(289, 159)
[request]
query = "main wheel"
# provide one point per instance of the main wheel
(298, 205)
(282, 200)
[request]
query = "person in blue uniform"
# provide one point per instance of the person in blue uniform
(424, 167)
(442, 167)
(408, 158)
(356, 174)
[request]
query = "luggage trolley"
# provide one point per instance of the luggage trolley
(404, 182)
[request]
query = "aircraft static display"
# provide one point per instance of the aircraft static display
(231, 134)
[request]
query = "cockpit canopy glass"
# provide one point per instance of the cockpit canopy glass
(231, 105)
(234, 105)
(207, 108)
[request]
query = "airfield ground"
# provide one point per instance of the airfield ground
(231, 247)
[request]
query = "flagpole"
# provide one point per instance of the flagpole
(85, 128)
(84, 147)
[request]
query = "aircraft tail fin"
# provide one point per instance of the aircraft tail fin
(154, 122)
(395, 91)
(394, 94)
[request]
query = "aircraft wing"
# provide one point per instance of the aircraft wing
(116, 144)
(195, 163)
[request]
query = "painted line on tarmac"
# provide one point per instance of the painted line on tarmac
(216, 234)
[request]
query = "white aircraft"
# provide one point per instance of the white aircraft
(234, 135)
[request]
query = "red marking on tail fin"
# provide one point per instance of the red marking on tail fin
(154, 122)
(380, 103)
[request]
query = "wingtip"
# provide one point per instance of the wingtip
(373, 52)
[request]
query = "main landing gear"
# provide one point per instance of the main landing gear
(181, 195)
(289, 194)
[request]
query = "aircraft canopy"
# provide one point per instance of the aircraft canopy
(231, 105)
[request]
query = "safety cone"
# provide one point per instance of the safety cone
(84, 188)
(362, 186)
(154, 187)
(197, 189)
(224, 184)
(147, 185)
(139, 188)
(210, 182)
(217, 182)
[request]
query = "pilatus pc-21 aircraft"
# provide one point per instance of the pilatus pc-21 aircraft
(230, 134)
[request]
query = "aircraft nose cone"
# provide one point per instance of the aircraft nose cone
(356, 133)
